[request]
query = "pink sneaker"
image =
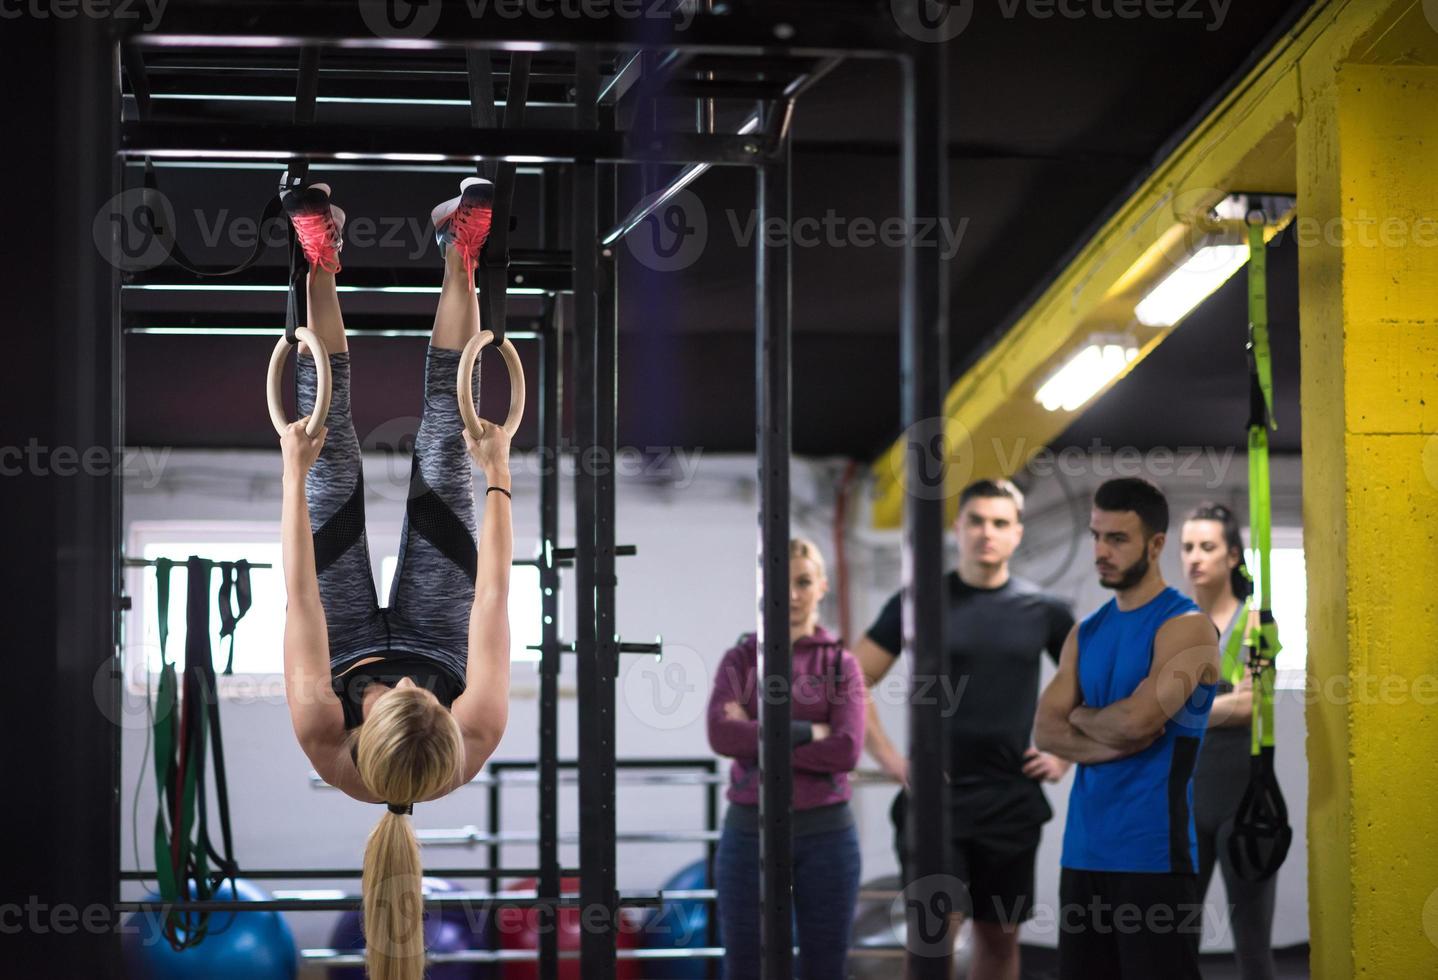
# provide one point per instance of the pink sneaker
(319, 225)
(463, 222)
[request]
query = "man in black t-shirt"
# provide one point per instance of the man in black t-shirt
(997, 629)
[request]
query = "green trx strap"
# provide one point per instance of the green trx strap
(1261, 834)
(1260, 631)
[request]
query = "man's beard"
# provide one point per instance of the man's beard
(1129, 577)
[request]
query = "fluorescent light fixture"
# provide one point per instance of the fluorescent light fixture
(1085, 374)
(1190, 284)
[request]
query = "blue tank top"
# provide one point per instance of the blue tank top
(1136, 813)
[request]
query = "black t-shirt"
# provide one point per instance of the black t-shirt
(995, 638)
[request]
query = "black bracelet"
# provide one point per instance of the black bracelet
(501, 490)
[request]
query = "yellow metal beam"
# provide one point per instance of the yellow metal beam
(1245, 144)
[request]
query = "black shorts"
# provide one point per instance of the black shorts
(997, 869)
(1128, 925)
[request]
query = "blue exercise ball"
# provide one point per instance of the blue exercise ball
(237, 945)
(681, 924)
(447, 931)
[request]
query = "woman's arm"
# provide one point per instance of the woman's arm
(733, 737)
(483, 709)
(1234, 708)
(839, 750)
(314, 710)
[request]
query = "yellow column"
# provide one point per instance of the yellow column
(1368, 271)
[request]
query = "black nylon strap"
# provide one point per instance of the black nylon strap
(494, 259)
(233, 576)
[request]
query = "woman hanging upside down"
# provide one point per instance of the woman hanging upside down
(403, 703)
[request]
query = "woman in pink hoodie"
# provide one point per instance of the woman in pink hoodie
(827, 700)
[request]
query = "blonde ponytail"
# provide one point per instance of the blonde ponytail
(410, 748)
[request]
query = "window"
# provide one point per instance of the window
(1290, 604)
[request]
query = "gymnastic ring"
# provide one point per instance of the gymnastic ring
(322, 382)
(476, 344)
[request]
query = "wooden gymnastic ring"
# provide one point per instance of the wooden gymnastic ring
(466, 390)
(322, 382)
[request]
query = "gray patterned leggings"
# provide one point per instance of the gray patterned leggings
(433, 589)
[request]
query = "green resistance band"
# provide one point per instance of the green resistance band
(1260, 632)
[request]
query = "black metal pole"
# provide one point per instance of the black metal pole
(772, 344)
(924, 374)
(606, 630)
(596, 847)
(551, 346)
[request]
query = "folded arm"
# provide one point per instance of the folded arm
(839, 750)
(1054, 733)
(1185, 655)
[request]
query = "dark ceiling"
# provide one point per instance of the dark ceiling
(1052, 119)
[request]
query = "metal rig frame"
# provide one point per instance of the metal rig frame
(616, 66)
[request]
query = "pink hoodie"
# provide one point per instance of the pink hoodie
(828, 687)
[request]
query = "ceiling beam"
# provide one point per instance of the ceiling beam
(1245, 144)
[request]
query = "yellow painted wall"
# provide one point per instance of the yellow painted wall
(1368, 268)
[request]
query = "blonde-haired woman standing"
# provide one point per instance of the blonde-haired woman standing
(827, 705)
(404, 703)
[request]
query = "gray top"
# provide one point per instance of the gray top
(1221, 775)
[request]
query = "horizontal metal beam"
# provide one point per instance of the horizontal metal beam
(861, 32)
(474, 837)
(412, 144)
(446, 900)
(530, 271)
(341, 957)
(343, 874)
(271, 325)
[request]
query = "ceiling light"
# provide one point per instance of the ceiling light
(1085, 374)
(1190, 284)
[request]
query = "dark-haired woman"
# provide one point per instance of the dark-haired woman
(1212, 552)
(827, 704)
